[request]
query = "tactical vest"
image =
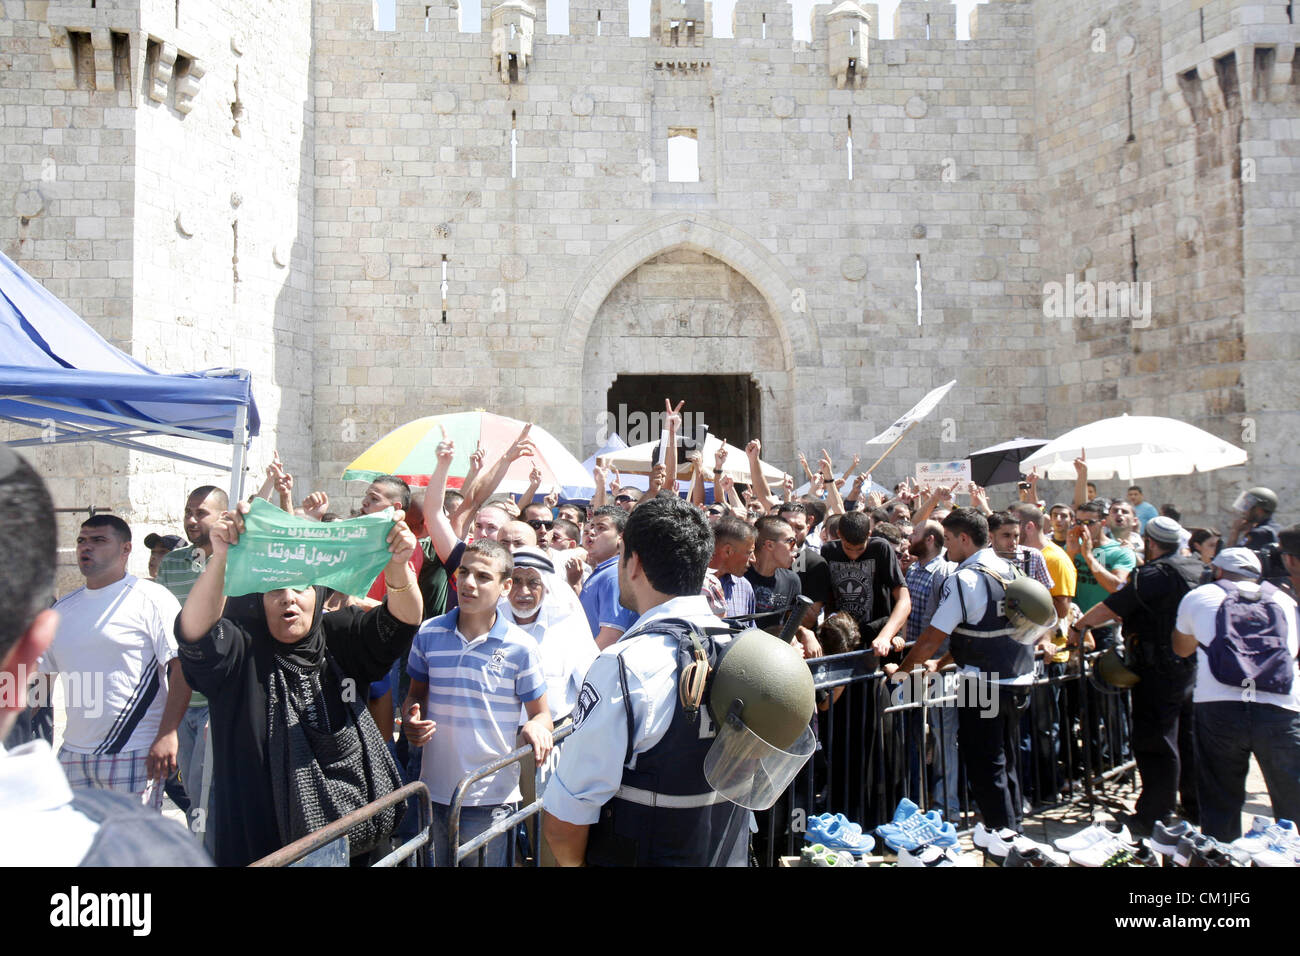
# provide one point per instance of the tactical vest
(987, 644)
(665, 813)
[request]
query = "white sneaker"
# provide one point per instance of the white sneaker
(1273, 834)
(929, 855)
(982, 837)
(1101, 851)
(1024, 845)
(1100, 830)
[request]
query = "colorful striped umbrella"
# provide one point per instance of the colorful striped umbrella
(410, 452)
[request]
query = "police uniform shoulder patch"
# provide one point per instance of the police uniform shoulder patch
(588, 698)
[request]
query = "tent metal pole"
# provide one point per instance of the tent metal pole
(240, 450)
(153, 427)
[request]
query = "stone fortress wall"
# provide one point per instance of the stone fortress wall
(282, 187)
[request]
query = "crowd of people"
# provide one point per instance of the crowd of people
(498, 620)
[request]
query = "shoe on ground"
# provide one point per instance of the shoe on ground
(1279, 834)
(835, 835)
(982, 836)
(1144, 855)
(1166, 834)
(1107, 851)
(1099, 830)
(912, 829)
(1211, 854)
(1188, 846)
(930, 855)
(1033, 855)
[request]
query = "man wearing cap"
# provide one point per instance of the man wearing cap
(159, 545)
(1147, 605)
(1235, 721)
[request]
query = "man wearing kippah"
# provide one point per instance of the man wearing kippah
(1147, 605)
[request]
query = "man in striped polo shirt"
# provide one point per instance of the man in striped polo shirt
(471, 669)
(124, 691)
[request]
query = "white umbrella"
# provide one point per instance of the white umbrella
(637, 460)
(1134, 446)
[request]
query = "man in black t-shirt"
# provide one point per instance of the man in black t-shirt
(814, 573)
(867, 582)
(775, 585)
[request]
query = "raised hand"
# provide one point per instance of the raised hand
(1081, 464)
(315, 505)
(754, 449)
(535, 474)
(553, 498)
(476, 459)
(401, 541)
(598, 474)
(673, 416)
(720, 456)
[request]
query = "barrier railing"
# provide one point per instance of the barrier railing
(330, 841)
(507, 824)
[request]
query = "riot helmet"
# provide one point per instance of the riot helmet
(761, 699)
(1255, 498)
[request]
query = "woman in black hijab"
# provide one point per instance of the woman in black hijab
(293, 745)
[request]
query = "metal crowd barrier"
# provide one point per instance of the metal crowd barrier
(872, 748)
(328, 846)
(507, 824)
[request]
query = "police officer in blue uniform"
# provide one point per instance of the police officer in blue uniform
(995, 617)
(629, 788)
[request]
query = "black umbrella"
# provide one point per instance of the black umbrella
(1000, 464)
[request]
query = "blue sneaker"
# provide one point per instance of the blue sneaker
(912, 829)
(835, 833)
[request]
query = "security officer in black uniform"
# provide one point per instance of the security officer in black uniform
(1162, 698)
(995, 617)
(643, 780)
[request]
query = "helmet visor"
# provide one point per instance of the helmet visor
(1245, 501)
(749, 771)
(1026, 631)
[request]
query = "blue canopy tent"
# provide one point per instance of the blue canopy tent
(59, 376)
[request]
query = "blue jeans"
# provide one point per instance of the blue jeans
(1227, 733)
(191, 755)
(946, 791)
(473, 821)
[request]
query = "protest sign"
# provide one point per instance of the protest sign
(946, 473)
(279, 550)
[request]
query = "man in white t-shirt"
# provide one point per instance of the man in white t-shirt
(1234, 720)
(116, 650)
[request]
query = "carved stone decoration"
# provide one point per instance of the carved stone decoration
(853, 268)
(1082, 258)
(187, 87)
(916, 107)
(513, 268)
(918, 231)
(783, 106)
(582, 104)
(182, 227)
(65, 71)
(985, 268)
(443, 102)
(376, 266)
(162, 73)
(101, 41)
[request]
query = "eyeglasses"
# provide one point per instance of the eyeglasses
(539, 525)
(623, 499)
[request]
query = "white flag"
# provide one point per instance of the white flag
(913, 415)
